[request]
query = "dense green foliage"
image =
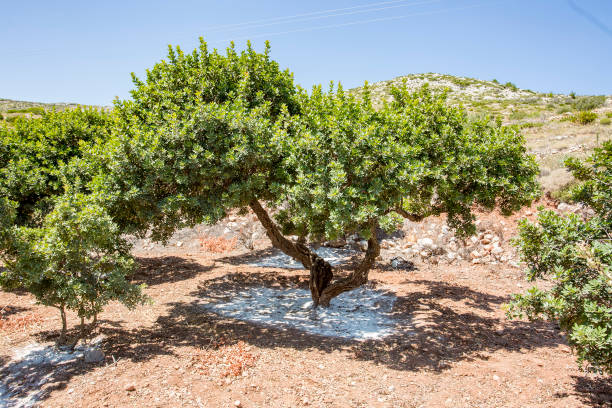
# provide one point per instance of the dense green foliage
(32, 154)
(577, 254)
(38, 110)
(190, 149)
(417, 156)
(200, 136)
(584, 117)
(56, 243)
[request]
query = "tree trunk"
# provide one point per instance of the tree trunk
(357, 277)
(62, 337)
(320, 270)
(320, 276)
(321, 273)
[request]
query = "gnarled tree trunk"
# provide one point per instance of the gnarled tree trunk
(357, 277)
(321, 272)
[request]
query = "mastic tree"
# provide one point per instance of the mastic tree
(206, 133)
(576, 255)
(57, 242)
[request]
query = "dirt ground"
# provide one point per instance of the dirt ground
(453, 346)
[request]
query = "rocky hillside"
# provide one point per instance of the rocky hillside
(11, 109)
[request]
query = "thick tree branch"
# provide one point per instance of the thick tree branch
(297, 251)
(357, 277)
(407, 215)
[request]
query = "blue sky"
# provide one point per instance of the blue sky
(84, 51)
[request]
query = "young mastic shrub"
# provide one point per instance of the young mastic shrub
(584, 117)
(587, 103)
(605, 121)
(206, 133)
(55, 242)
(75, 260)
(576, 254)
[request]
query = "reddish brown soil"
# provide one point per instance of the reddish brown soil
(459, 351)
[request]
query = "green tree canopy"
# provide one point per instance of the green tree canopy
(207, 133)
(33, 151)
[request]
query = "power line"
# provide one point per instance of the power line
(374, 20)
(325, 14)
(307, 14)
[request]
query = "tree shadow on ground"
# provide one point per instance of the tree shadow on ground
(9, 310)
(594, 391)
(166, 269)
(451, 334)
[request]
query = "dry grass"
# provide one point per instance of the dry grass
(223, 360)
(18, 323)
(218, 245)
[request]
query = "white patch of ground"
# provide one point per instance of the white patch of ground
(22, 379)
(334, 256)
(359, 314)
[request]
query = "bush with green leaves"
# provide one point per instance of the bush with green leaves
(584, 117)
(75, 260)
(33, 151)
(511, 86)
(605, 121)
(55, 242)
(587, 103)
(576, 254)
(206, 133)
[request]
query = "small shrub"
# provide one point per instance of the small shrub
(529, 125)
(518, 115)
(563, 109)
(575, 253)
(511, 86)
(572, 95)
(608, 114)
(584, 117)
(587, 103)
(495, 81)
(605, 121)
